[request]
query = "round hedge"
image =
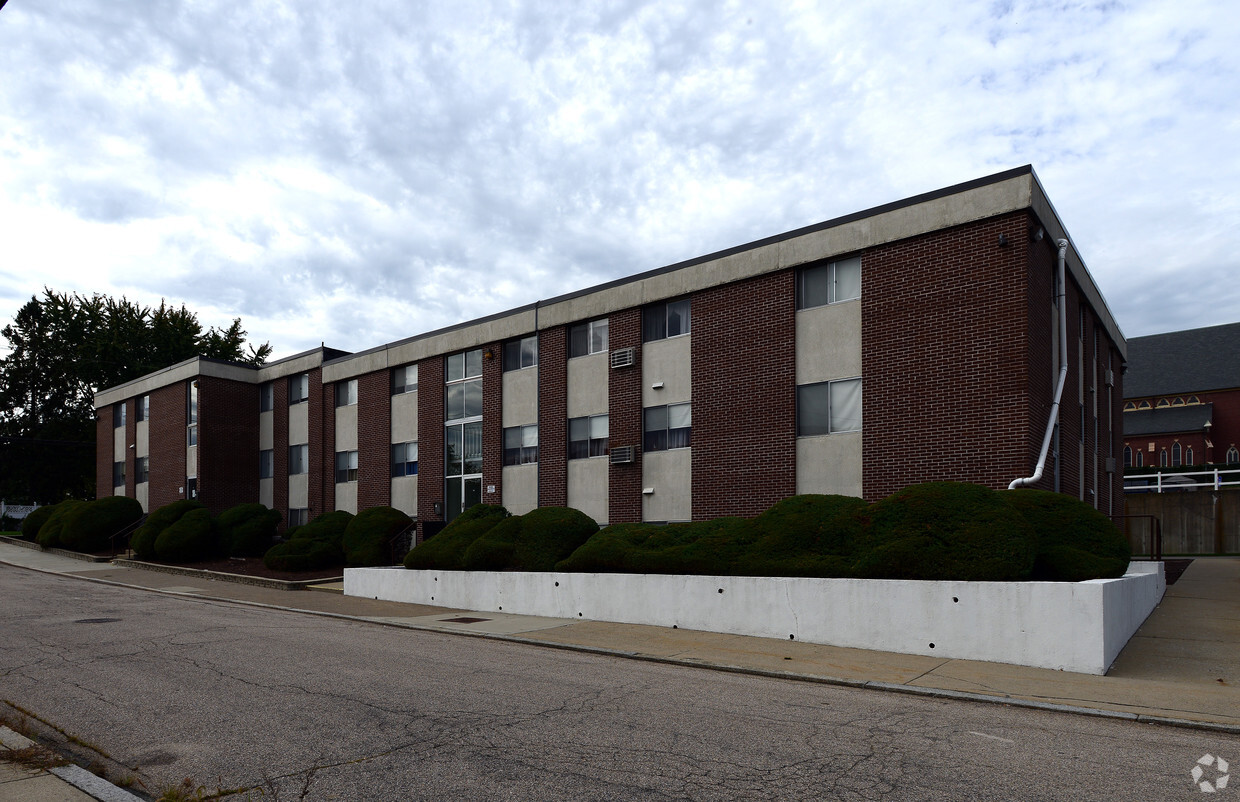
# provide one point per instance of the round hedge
(33, 522)
(143, 541)
(535, 541)
(367, 536)
(328, 527)
(1075, 542)
(945, 530)
(446, 550)
(89, 527)
(191, 538)
(50, 532)
(247, 530)
(303, 554)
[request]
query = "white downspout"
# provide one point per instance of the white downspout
(1061, 299)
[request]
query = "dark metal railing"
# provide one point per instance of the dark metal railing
(1155, 532)
(125, 533)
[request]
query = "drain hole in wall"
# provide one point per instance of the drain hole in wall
(955, 600)
(673, 626)
(932, 646)
(792, 637)
(579, 615)
(557, 584)
(721, 590)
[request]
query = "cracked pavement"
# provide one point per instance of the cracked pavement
(234, 696)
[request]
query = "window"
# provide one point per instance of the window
(667, 427)
(829, 283)
(1175, 455)
(191, 487)
(464, 386)
(346, 466)
(1233, 456)
(298, 389)
(118, 474)
(660, 321)
(298, 516)
(141, 469)
(298, 459)
(462, 467)
(266, 397)
(521, 445)
(1129, 406)
(1162, 404)
(404, 459)
(191, 413)
(1144, 405)
(587, 437)
(587, 338)
(522, 353)
(266, 463)
(346, 393)
(1188, 455)
(144, 408)
(1162, 458)
(405, 379)
(118, 415)
(1140, 459)
(829, 407)
(1127, 456)
(191, 435)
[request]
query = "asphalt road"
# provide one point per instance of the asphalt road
(235, 696)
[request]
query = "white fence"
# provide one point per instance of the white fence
(1175, 479)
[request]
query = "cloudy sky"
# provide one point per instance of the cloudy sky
(362, 172)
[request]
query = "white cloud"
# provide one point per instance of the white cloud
(361, 174)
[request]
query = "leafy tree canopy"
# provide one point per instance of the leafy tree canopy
(63, 348)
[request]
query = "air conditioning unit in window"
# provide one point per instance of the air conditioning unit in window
(621, 454)
(622, 358)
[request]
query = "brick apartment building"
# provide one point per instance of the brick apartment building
(1182, 398)
(916, 341)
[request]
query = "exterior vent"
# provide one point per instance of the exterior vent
(622, 358)
(1110, 465)
(1110, 378)
(621, 455)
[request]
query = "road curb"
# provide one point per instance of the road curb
(819, 679)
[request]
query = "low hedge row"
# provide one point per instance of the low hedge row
(932, 531)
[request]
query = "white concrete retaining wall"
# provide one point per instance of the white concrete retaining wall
(1074, 626)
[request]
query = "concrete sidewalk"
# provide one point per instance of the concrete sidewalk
(1182, 667)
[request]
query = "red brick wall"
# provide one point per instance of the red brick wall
(945, 358)
(624, 410)
(319, 479)
(553, 417)
(1041, 353)
(326, 427)
(227, 443)
(103, 452)
(374, 440)
(492, 423)
(166, 433)
(744, 396)
(279, 449)
(430, 440)
(131, 439)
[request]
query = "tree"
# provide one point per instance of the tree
(64, 348)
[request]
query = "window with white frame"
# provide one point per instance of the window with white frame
(1188, 455)
(522, 353)
(346, 466)
(266, 463)
(667, 427)
(1175, 455)
(521, 445)
(191, 413)
(404, 379)
(587, 338)
(818, 285)
(118, 415)
(1233, 455)
(1162, 458)
(1140, 459)
(141, 469)
(298, 516)
(587, 437)
(298, 459)
(829, 407)
(118, 474)
(462, 432)
(1127, 456)
(346, 393)
(266, 397)
(663, 320)
(404, 459)
(298, 389)
(144, 408)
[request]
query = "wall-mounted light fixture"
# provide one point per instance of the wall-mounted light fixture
(489, 354)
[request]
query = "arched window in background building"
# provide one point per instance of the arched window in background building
(1175, 455)
(1127, 456)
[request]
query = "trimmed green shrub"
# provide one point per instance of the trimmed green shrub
(191, 538)
(945, 530)
(49, 533)
(33, 522)
(1075, 541)
(328, 527)
(247, 530)
(806, 535)
(535, 541)
(89, 527)
(704, 547)
(143, 540)
(303, 554)
(446, 550)
(367, 536)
